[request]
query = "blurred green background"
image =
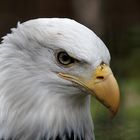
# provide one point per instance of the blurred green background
(117, 23)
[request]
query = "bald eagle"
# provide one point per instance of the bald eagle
(49, 67)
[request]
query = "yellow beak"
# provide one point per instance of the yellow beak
(102, 85)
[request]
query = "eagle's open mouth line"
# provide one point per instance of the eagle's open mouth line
(73, 79)
(77, 81)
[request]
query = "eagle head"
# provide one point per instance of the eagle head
(48, 70)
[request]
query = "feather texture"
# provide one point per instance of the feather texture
(34, 101)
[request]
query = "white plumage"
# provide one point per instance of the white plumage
(35, 102)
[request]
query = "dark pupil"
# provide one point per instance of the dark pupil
(65, 57)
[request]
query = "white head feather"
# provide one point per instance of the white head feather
(33, 99)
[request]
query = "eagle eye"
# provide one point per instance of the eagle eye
(64, 59)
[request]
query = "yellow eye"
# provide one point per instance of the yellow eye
(64, 59)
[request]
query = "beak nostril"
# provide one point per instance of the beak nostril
(102, 63)
(100, 77)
